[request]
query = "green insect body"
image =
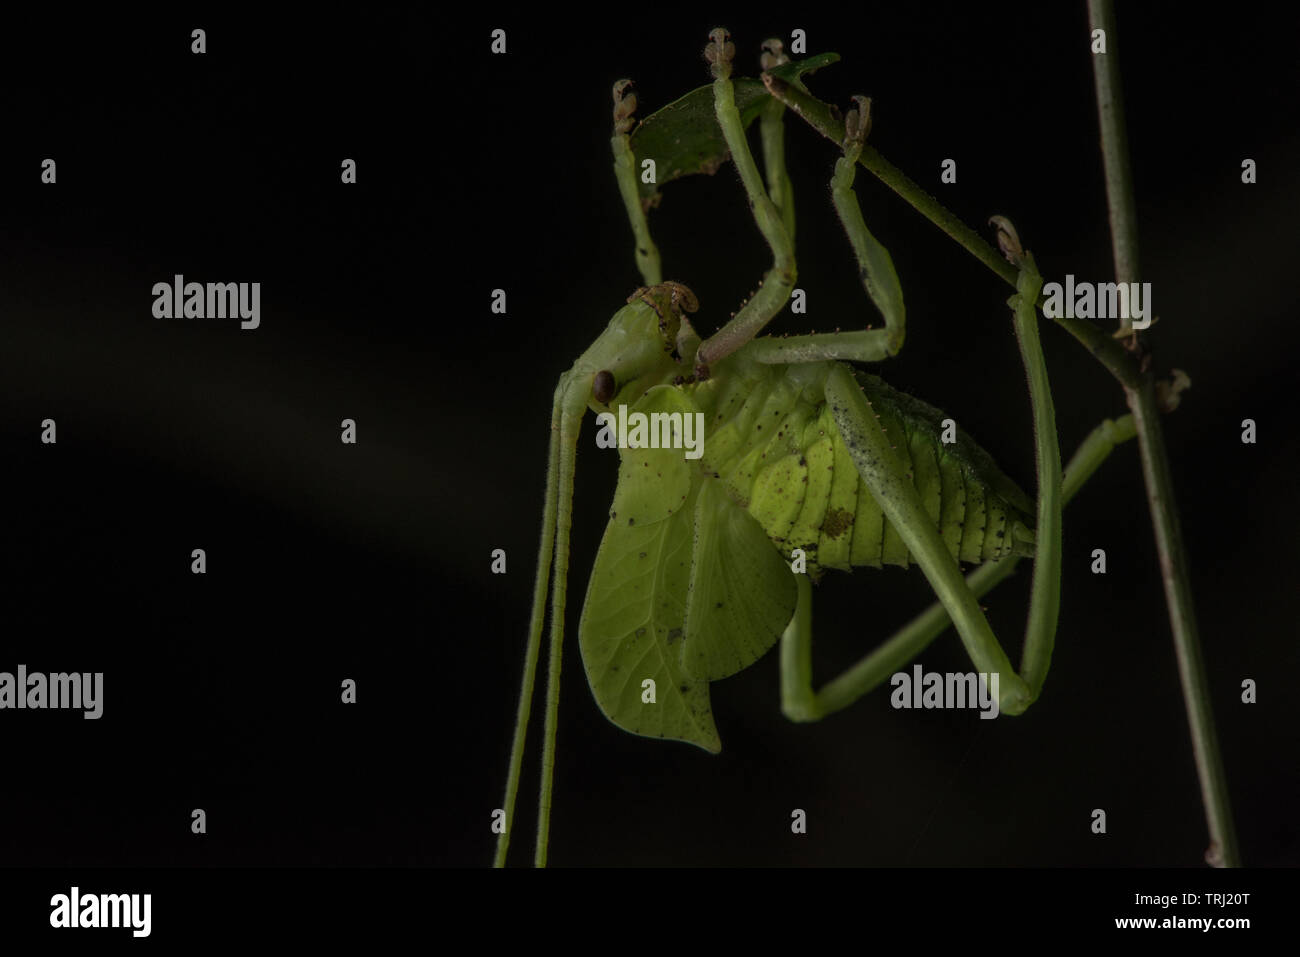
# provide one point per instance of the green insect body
(691, 583)
(796, 463)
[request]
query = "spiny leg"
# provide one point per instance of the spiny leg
(890, 485)
(875, 270)
(893, 490)
(647, 254)
(798, 699)
(779, 280)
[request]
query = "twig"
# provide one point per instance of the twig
(1223, 849)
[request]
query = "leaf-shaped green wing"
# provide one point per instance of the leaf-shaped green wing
(633, 625)
(742, 595)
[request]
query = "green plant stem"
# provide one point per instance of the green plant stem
(1141, 396)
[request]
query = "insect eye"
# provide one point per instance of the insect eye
(602, 387)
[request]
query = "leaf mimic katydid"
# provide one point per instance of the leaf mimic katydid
(693, 580)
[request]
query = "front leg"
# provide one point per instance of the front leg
(779, 280)
(647, 253)
(875, 271)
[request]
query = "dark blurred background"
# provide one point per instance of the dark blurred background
(372, 562)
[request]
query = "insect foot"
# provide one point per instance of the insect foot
(1168, 391)
(624, 106)
(773, 55)
(857, 124)
(669, 300)
(720, 52)
(1008, 239)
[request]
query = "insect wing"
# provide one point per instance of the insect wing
(742, 594)
(632, 627)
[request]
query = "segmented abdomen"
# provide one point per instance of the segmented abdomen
(770, 438)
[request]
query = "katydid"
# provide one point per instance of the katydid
(805, 465)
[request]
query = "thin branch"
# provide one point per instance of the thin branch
(1223, 849)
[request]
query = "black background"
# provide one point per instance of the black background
(371, 562)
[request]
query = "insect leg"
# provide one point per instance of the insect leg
(798, 699)
(566, 419)
(889, 484)
(772, 128)
(572, 405)
(1094, 450)
(541, 589)
(647, 254)
(1045, 591)
(779, 280)
(875, 270)
(899, 500)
